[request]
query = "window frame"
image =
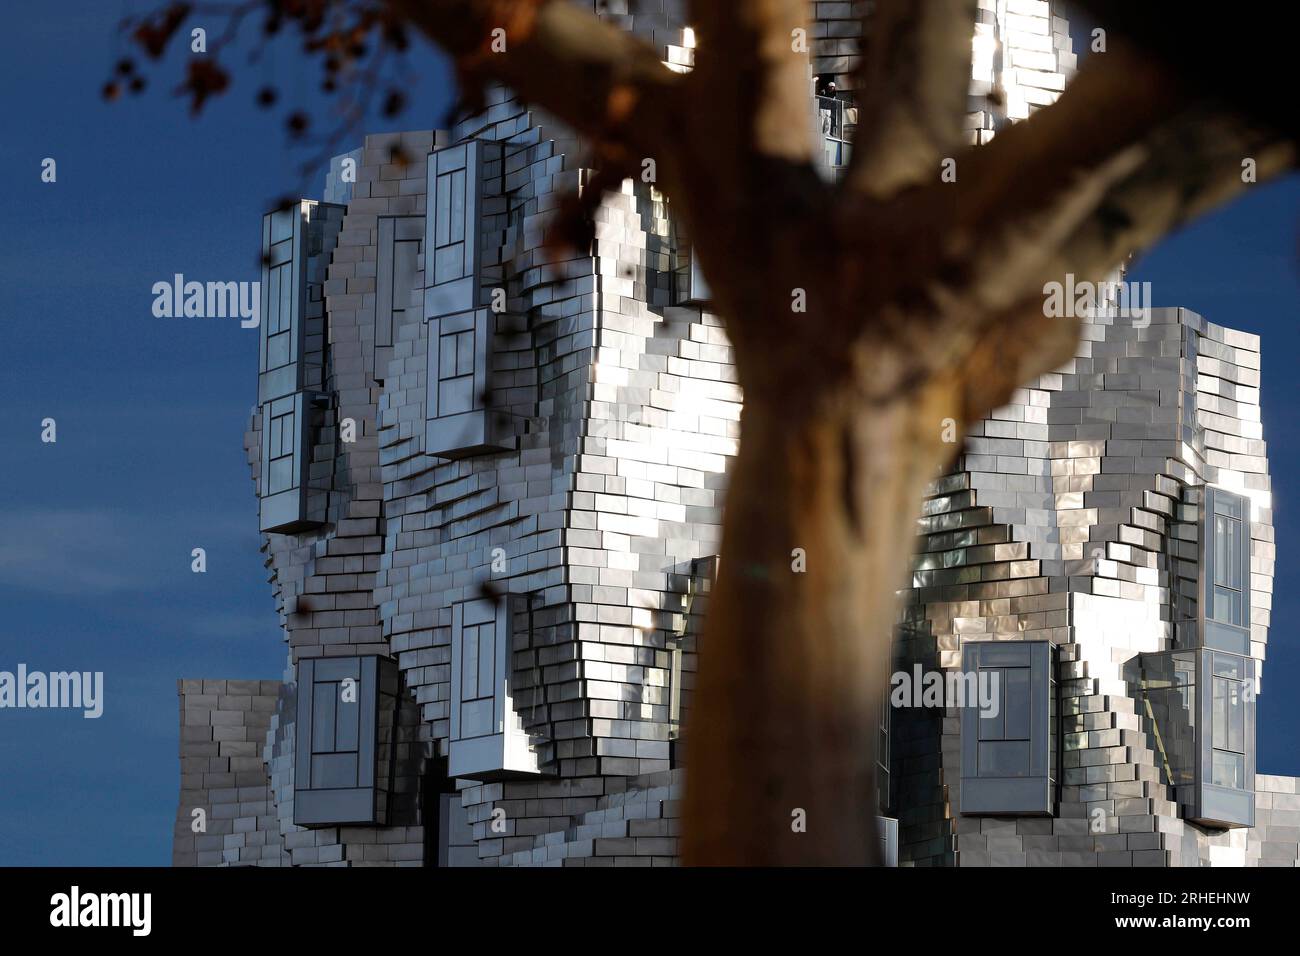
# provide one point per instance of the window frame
(506, 749)
(1233, 561)
(1177, 697)
(1216, 803)
(361, 799)
(288, 418)
(1034, 791)
(462, 189)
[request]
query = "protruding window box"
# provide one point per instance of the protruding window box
(345, 738)
(459, 420)
(1200, 707)
(464, 184)
(487, 738)
(1009, 752)
(462, 271)
(296, 245)
(286, 505)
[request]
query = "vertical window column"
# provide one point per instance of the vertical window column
(1200, 708)
(296, 243)
(462, 272)
(1225, 593)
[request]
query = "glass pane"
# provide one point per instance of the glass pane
(487, 658)
(446, 356)
(449, 263)
(282, 475)
(456, 396)
(1236, 718)
(442, 215)
(465, 353)
(1187, 699)
(1219, 716)
(347, 719)
(286, 297)
(1228, 504)
(476, 718)
(282, 224)
(1004, 758)
(1226, 606)
(277, 351)
(458, 206)
(469, 663)
(1229, 770)
(993, 726)
(273, 439)
(1229, 731)
(323, 701)
(283, 436)
(1225, 552)
(331, 771)
(1228, 665)
(1015, 699)
(273, 302)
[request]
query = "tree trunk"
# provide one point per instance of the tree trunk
(794, 656)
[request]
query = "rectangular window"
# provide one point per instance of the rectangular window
(692, 287)
(884, 778)
(699, 583)
(888, 840)
(464, 196)
(487, 738)
(344, 737)
(284, 503)
(284, 285)
(462, 284)
(1227, 778)
(296, 244)
(1167, 701)
(1226, 553)
(1008, 731)
(1206, 743)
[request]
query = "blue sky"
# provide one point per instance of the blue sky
(96, 530)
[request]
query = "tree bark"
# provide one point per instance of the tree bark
(782, 734)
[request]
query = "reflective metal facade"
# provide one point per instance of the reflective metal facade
(1076, 515)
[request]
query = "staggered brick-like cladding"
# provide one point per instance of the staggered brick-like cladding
(511, 478)
(1075, 516)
